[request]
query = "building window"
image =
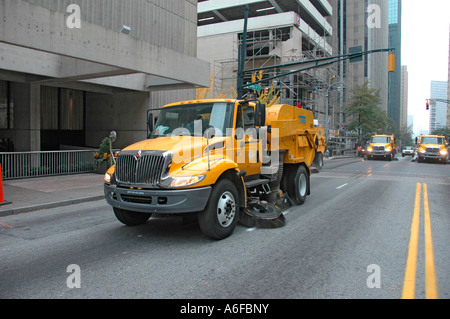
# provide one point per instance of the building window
(6, 106)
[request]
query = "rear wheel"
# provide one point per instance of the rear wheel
(131, 218)
(319, 161)
(296, 183)
(221, 214)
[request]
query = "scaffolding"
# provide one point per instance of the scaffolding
(266, 48)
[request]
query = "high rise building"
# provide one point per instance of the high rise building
(438, 109)
(448, 82)
(395, 78)
(404, 98)
(365, 24)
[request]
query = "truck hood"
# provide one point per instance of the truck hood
(441, 147)
(184, 148)
(380, 144)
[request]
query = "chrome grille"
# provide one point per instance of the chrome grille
(432, 150)
(145, 168)
(378, 148)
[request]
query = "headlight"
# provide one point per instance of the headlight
(108, 178)
(444, 152)
(422, 151)
(186, 181)
(369, 149)
(389, 149)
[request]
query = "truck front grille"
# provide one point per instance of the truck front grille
(378, 148)
(146, 167)
(433, 150)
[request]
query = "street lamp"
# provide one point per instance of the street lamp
(327, 130)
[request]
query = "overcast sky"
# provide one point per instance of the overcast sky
(425, 50)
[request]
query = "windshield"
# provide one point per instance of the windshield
(194, 119)
(381, 139)
(433, 140)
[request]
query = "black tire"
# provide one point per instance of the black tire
(131, 218)
(221, 215)
(296, 183)
(319, 161)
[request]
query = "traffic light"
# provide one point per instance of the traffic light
(391, 62)
(428, 105)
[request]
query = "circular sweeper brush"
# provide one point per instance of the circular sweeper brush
(263, 215)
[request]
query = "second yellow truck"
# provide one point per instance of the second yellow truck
(215, 158)
(381, 147)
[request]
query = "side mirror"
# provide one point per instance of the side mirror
(150, 123)
(113, 136)
(260, 114)
(210, 132)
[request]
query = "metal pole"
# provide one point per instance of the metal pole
(327, 130)
(242, 55)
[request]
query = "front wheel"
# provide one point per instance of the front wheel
(221, 214)
(131, 218)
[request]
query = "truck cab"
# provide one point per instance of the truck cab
(432, 148)
(382, 147)
(213, 158)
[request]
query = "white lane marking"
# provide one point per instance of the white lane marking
(342, 186)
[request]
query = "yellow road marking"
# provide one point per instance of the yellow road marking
(409, 282)
(431, 290)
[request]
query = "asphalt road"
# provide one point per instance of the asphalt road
(351, 239)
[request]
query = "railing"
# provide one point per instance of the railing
(39, 164)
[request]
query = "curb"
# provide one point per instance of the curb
(33, 208)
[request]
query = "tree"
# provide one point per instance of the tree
(442, 131)
(366, 117)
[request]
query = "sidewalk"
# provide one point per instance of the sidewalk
(34, 194)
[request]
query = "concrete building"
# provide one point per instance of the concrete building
(395, 78)
(72, 70)
(365, 24)
(404, 99)
(438, 109)
(279, 32)
(448, 82)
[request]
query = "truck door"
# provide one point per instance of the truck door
(247, 142)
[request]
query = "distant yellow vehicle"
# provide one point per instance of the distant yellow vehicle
(382, 146)
(433, 148)
(216, 158)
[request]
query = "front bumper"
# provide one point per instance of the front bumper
(433, 156)
(158, 201)
(383, 154)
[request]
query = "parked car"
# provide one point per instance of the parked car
(408, 151)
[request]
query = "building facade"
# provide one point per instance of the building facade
(363, 24)
(395, 78)
(404, 99)
(73, 70)
(448, 82)
(438, 109)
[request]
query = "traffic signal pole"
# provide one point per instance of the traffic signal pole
(312, 64)
(353, 56)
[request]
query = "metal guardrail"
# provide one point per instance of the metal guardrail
(40, 164)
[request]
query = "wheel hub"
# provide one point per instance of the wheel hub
(226, 209)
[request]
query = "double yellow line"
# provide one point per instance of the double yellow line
(409, 284)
